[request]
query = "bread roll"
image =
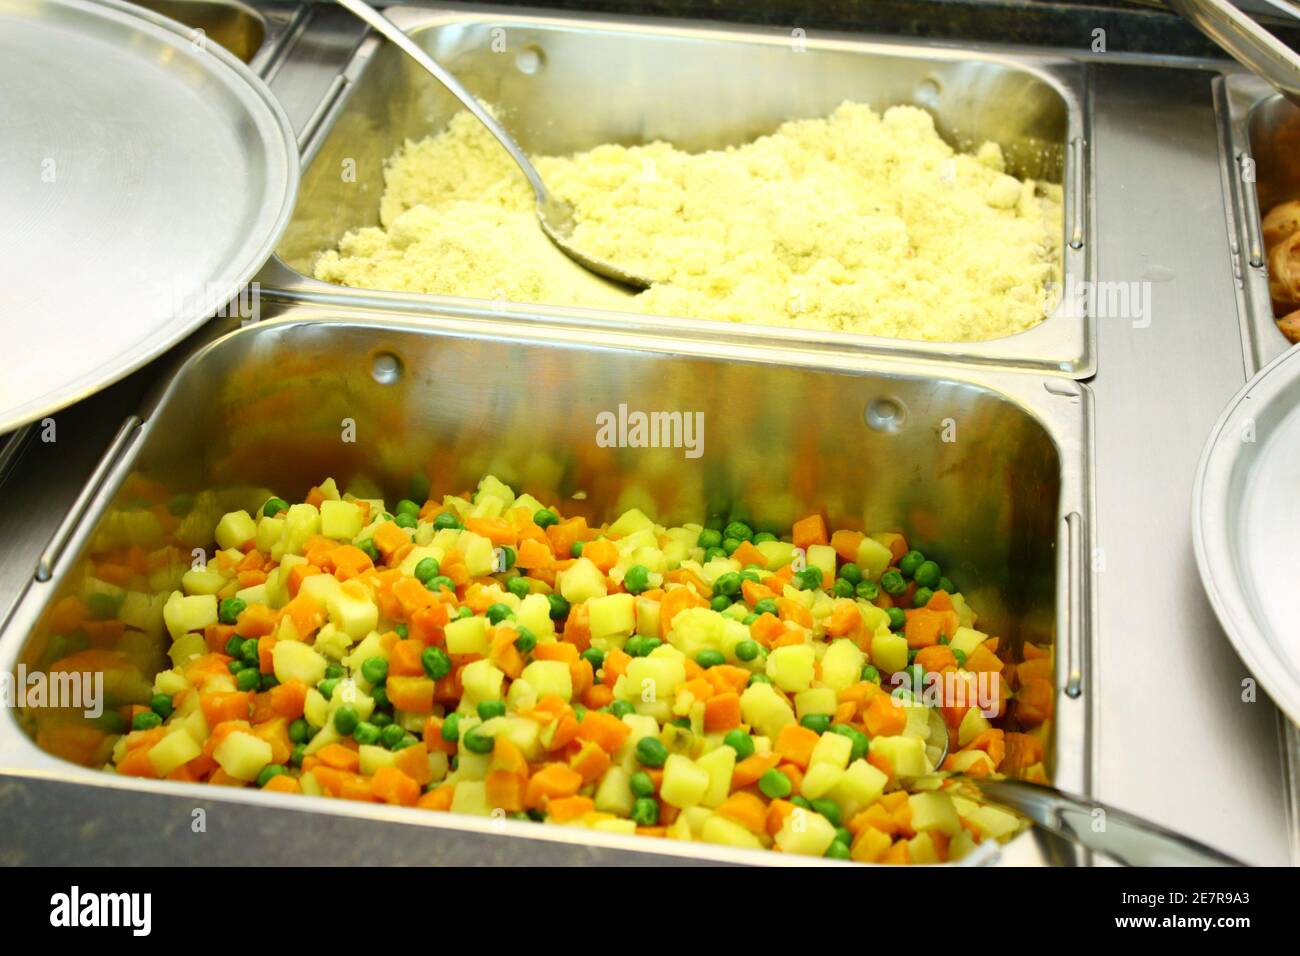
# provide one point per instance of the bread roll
(1284, 274)
(1282, 220)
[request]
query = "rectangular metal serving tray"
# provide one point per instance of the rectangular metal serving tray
(567, 83)
(987, 470)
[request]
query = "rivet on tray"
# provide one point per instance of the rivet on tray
(386, 368)
(530, 59)
(885, 415)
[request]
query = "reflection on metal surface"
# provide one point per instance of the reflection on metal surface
(240, 29)
(262, 409)
(741, 84)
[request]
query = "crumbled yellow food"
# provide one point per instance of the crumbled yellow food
(859, 222)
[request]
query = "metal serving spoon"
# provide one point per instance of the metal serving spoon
(554, 214)
(1124, 838)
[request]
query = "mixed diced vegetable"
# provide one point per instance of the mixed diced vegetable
(486, 654)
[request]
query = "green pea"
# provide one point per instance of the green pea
(235, 646)
(818, 723)
(464, 612)
(844, 835)
(299, 731)
(738, 530)
(274, 506)
(896, 618)
(857, 738)
(645, 812)
(230, 609)
(893, 582)
(446, 521)
(478, 743)
(487, 709)
(729, 546)
(850, 572)
(297, 754)
(335, 672)
(960, 655)
(236, 666)
(801, 802)
(368, 546)
(507, 557)
(270, 772)
(775, 785)
(161, 704)
(710, 658)
(579, 712)
(829, 809)
(621, 708)
(651, 752)
(766, 606)
(746, 650)
(380, 696)
(425, 569)
(642, 785)
(758, 679)
(714, 554)
(728, 584)
(545, 517)
(402, 631)
(436, 662)
(927, 574)
(526, 641)
(839, 850)
(749, 619)
(146, 720)
(366, 733)
(684, 722)
(392, 735)
(519, 586)
(374, 670)
(499, 612)
(710, 538)
(594, 656)
(405, 521)
(648, 644)
(921, 597)
(450, 728)
(809, 579)
(408, 507)
(719, 603)
(946, 585)
(867, 591)
(842, 588)
(438, 582)
(909, 562)
(346, 719)
(269, 681)
(249, 679)
(381, 719)
(559, 607)
(764, 536)
(576, 550)
(739, 741)
(637, 579)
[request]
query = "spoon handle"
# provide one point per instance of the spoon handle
(390, 31)
(1121, 836)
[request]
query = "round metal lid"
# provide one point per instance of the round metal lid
(147, 177)
(1246, 527)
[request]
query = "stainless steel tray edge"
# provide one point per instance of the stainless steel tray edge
(1062, 405)
(1062, 344)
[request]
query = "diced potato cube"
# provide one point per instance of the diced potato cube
(612, 616)
(873, 558)
(470, 796)
(301, 521)
(482, 680)
(966, 639)
(352, 611)
(467, 636)
(920, 850)
(697, 629)
(815, 700)
(906, 755)
(718, 764)
(822, 557)
(792, 667)
(726, 832)
(581, 582)
(888, 652)
(647, 617)
(549, 677)
(341, 520)
(373, 757)
(764, 710)
(993, 822)
(614, 795)
(934, 811)
(861, 785)
(478, 553)
(804, 832)
(820, 779)
(972, 725)
(182, 614)
(631, 522)
(234, 529)
(834, 749)
(203, 581)
(242, 755)
(651, 679)
(177, 748)
(269, 533)
(684, 783)
(186, 648)
(778, 553)
(493, 487)
(534, 613)
(842, 665)
(294, 660)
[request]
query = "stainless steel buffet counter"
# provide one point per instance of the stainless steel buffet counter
(1171, 737)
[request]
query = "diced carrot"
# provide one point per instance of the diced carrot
(748, 554)
(136, 764)
(497, 530)
(283, 783)
(349, 561)
(438, 799)
(1034, 701)
(339, 757)
(569, 808)
(306, 614)
(591, 762)
(795, 743)
(552, 782)
(844, 619)
(725, 677)
(412, 694)
(262, 710)
(583, 676)
(1022, 752)
(846, 544)
(982, 659)
(221, 706)
(287, 699)
(809, 531)
(767, 629)
(404, 659)
(722, 712)
(605, 730)
(217, 636)
(746, 809)
(392, 786)
(753, 592)
(940, 601)
(427, 623)
(412, 596)
(533, 555)
(564, 534)
(503, 653)
(433, 737)
(556, 651)
(276, 733)
(297, 574)
(675, 601)
(936, 657)
(923, 628)
(256, 620)
(577, 631)
(414, 762)
(789, 610)
(388, 538)
(750, 769)
(777, 811)
(895, 542)
(505, 790)
(616, 662)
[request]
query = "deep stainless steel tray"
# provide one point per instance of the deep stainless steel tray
(568, 83)
(253, 35)
(1006, 505)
